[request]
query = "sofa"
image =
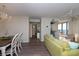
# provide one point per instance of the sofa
(58, 47)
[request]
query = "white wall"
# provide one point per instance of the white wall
(74, 26)
(55, 27)
(30, 30)
(2, 27)
(34, 20)
(71, 27)
(45, 27)
(18, 24)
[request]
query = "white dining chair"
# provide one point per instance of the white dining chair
(12, 49)
(19, 44)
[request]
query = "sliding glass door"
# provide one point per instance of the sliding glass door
(63, 27)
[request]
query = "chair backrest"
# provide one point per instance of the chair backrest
(20, 36)
(14, 42)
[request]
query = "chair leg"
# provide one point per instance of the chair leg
(11, 53)
(20, 45)
(18, 48)
(16, 52)
(3, 52)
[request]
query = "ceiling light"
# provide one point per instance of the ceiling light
(3, 12)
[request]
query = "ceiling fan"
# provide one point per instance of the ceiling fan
(66, 18)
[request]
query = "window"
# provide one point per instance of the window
(63, 27)
(60, 27)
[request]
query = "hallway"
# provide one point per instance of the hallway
(33, 48)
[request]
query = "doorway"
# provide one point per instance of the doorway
(34, 29)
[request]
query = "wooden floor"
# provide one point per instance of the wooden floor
(33, 48)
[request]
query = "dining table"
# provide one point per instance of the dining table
(4, 43)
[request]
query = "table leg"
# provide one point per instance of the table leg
(3, 51)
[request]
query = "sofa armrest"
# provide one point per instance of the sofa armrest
(71, 52)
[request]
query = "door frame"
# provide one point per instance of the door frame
(29, 28)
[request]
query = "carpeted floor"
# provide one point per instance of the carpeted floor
(34, 48)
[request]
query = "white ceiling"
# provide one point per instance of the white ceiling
(41, 9)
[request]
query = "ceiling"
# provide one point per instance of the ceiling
(37, 10)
